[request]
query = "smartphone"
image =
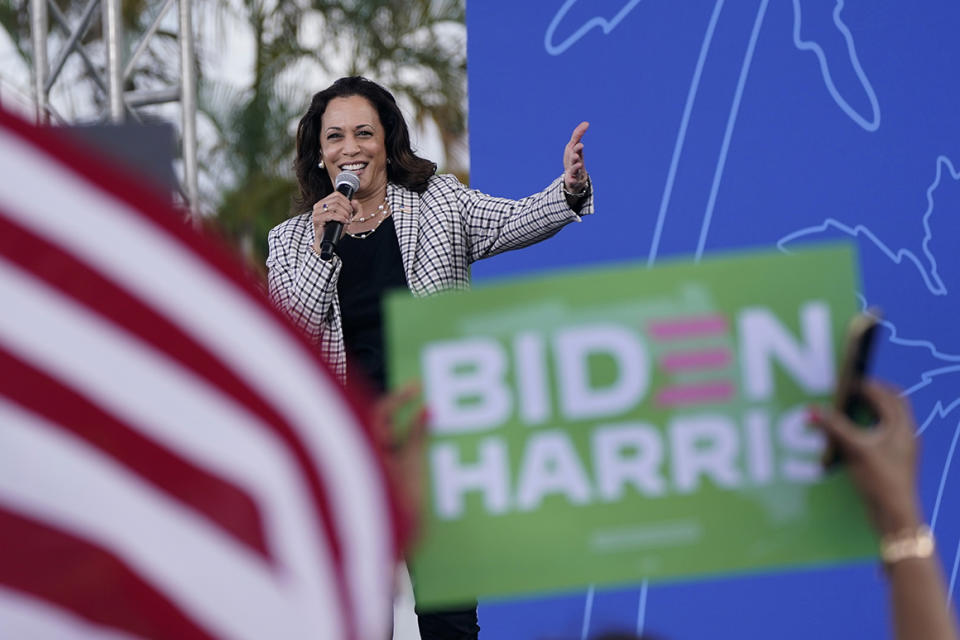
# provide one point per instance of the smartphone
(848, 397)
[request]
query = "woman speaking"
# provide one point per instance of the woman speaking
(405, 226)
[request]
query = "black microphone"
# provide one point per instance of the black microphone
(347, 183)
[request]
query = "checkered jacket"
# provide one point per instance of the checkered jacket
(441, 232)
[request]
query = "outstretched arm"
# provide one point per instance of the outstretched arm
(494, 225)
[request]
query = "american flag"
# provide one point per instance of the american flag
(175, 460)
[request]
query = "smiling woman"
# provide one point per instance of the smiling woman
(429, 228)
(405, 227)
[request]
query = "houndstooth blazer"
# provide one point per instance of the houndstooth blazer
(441, 232)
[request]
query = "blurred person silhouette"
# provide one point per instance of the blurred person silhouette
(405, 226)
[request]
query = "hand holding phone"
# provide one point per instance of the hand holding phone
(849, 398)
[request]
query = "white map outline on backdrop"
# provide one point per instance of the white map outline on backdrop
(931, 277)
(607, 26)
(936, 287)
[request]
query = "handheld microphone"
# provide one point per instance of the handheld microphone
(347, 183)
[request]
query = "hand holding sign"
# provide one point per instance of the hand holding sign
(402, 442)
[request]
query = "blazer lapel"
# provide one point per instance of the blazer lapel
(405, 205)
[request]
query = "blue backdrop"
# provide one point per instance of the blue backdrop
(745, 123)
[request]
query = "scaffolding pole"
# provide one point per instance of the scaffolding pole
(113, 35)
(38, 37)
(114, 72)
(188, 105)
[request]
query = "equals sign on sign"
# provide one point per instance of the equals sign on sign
(680, 343)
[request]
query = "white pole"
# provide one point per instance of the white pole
(113, 30)
(38, 20)
(188, 104)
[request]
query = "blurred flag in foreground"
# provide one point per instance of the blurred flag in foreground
(175, 462)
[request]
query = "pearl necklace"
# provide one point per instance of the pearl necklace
(383, 211)
(379, 211)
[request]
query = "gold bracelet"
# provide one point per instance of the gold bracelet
(905, 545)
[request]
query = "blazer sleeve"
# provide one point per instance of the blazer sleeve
(495, 225)
(299, 282)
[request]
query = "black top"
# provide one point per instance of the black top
(372, 266)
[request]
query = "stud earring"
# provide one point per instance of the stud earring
(320, 164)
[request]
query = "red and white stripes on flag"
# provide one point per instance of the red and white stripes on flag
(175, 461)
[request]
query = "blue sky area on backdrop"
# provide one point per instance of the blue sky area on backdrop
(720, 125)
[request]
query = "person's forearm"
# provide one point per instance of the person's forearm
(919, 601)
(917, 593)
(882, 462)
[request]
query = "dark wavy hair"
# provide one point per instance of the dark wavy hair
(404, 167)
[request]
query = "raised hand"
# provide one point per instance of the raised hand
(574, 170)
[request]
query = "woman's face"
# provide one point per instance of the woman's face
(352, 138)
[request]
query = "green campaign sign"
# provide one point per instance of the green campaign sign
(611, 425)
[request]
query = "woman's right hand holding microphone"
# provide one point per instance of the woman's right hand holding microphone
(334, 208)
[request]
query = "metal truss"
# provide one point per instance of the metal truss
(116, 71)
